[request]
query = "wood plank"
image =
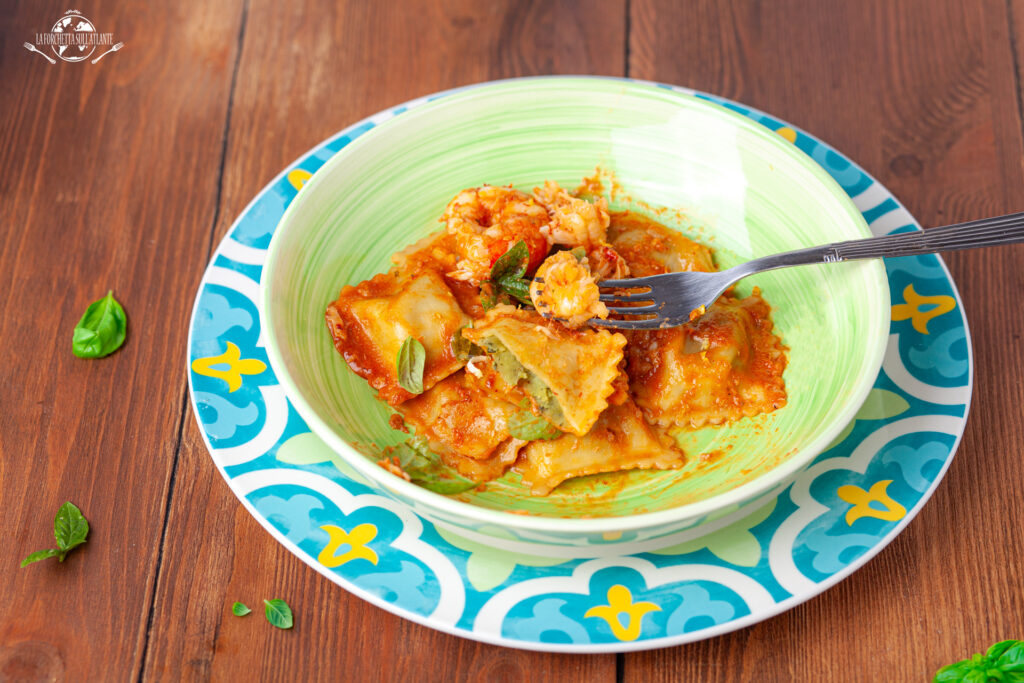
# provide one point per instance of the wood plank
(923, 94)
(95, 193)
(309, 69)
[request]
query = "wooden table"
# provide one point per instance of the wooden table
(124, 174)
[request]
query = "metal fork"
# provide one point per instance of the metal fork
(676, 298)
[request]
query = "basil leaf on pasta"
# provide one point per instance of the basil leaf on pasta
(526, 426)
(426, 469)
(411, 359)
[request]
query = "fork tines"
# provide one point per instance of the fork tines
(632, 324)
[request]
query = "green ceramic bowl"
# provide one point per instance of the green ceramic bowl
(726, 181)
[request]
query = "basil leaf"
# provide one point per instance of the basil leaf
(1010, 659)
(526, 426)
(579, 253)
(102, 329)
(69, 527)
(239, 609)
(997, 650)
(411, 359)
(517, 288)
(952, 672)
(462, 348)
(426, 469)
(512, 263)
(1005, 657)
(279, 613)
(40, 555)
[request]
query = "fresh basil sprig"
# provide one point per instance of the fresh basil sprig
(526, 426)
(507, 272)
(69, 528)
(240, 609)
(426, 469)
(101, 330)
(1004, 661)
(411, 359)
(279, 613)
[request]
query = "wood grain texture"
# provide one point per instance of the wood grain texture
(124, 174)
(307, 70)
(96, 194)
(932, 111)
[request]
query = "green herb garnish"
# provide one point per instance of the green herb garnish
(69, 528)
(462, 348)
(411, 359)
(279, 613)
(507, 272)
(1004, 661)
(426, 469)
(518, 289)
(526, 426)
(101, 330)
(512, 263)
(240, 609)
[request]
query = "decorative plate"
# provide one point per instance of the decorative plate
(726, 574)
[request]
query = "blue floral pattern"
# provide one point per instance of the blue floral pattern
(843, 509)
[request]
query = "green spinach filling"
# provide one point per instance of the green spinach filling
(513, 372)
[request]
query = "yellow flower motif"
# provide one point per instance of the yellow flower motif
(355, 539)
(940, 304)
(787, 133)
(620, 601)
(298, 177)
(861, 501)
(237, 366)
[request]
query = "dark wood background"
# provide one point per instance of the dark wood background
(124, 174)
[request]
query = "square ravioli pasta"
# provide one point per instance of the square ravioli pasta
(726, 365)
(569, 373)
(458, 416)
(549, 396)
(370, 321)
(619, 440)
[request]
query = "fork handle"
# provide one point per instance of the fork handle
(986, 232)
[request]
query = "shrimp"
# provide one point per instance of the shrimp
(606, 263)
(575, 222)
(486, 222)
(565, 289)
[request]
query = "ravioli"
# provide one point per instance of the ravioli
(620, 440)
(497, 383)
(459, 416)
(569, 373)
(724, 366)
(650, 248)
(370, 321)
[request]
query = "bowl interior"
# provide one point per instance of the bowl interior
(723, 180)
